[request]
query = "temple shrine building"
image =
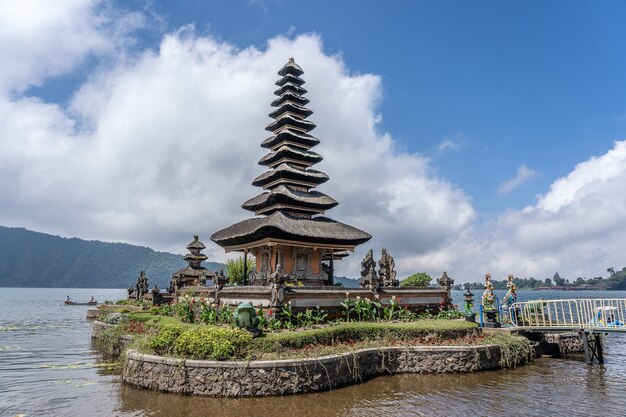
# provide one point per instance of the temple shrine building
(290, 237)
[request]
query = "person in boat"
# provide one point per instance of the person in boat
(93, 300)
(67, 299)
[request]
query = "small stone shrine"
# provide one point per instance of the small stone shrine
(194, 274)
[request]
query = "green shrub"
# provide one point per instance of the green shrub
(419, 279)
(211, 343)
(162, 343)
(354, 331)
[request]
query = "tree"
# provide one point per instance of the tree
(558, 280)
(419, 279)
(611, 271)
(234, 269)
(548, 282)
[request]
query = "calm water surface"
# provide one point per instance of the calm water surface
(48, 368)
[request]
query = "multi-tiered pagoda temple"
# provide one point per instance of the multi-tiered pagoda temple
(290, 239)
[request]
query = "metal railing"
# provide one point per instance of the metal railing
(606, 314)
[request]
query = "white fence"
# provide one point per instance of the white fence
(608, 314)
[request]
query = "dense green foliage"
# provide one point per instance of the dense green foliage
(418, 279)
(31, 259)
(615, 281)
(234, 269)
(443, 329)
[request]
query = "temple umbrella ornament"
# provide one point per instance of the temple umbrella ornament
(289, 237)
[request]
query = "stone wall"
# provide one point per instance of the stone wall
(284, 377)
(567, 342)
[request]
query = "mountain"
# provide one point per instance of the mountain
(32, 259)
(347, 282)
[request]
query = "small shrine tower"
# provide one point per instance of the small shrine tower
(194, 274)
(290, 239)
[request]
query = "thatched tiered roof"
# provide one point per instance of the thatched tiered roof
(289, 202)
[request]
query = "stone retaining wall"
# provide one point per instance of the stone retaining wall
(97, 327)
(283, 377)
(567, 342)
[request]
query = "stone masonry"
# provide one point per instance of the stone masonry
(286, 377)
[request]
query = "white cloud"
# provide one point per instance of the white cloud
(156, 148)
(523, 175)
(453, 143)
(41, 39)
(578, 228)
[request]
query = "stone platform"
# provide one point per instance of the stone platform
(286, 377)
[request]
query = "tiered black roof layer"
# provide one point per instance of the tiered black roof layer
(289, 203)
(289, 179)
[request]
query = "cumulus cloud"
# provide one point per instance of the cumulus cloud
(577, 229)
(158, 147)
(41, 39)
(523, 175)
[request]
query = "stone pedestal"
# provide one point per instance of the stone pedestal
(491, 319)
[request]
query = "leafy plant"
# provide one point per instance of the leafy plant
(390, 312)
(209, 313)
(185, 309)
(234, 269)
(274, 324)
(225, 315)
(163, 342)
(319, 316)
(348, 306)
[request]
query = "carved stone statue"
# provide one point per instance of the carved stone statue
(157, 298)
(369, 278)
(221, 278)
(387, 272)
(142, 285)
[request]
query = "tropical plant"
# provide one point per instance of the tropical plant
(419, 279)
(234, 269)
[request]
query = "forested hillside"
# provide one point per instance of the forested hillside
(32, 259)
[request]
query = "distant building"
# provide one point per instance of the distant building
(290, 239)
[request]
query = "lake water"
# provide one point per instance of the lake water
(49, 368)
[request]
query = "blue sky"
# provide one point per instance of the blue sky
(509, 83)
(484, 135)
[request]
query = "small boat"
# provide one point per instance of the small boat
(73, 303)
